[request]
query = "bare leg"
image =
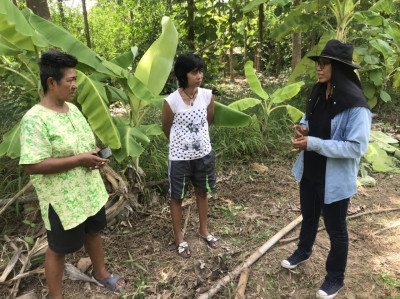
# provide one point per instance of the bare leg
(94, 247)
(176, 215)
(54, 268)
(202, 206)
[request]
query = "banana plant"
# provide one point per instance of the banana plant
(268, 102)
(26, 35)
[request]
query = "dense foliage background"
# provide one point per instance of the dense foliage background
(275, 35)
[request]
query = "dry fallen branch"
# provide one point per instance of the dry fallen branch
(22, 191)
(251, 260)
(350, 217)
(384, 229)
(25, 265)
(242, 284)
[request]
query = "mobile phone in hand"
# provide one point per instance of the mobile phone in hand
(105, 153)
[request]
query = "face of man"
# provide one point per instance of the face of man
(65, 89)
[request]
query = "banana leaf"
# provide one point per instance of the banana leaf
(155, 66)
(91, 96)
(225, 116)
(286, 93)
(253, 81)
(380, 160)
(294, 113)
(16, 30)
(59, 37)
(133, 143)
(11, 145)
(244, 104)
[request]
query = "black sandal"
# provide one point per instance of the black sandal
(211, 241)
(183, 250)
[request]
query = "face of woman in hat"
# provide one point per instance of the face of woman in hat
(324, 70)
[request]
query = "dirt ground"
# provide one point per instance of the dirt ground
(255, 200)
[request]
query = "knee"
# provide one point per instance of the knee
(93, 235)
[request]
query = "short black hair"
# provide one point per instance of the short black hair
(52, 64)
(186, 63)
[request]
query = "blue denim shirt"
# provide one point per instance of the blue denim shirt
(349, 142)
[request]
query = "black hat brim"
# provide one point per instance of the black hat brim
(316, 58)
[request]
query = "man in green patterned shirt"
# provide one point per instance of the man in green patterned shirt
(58, 150)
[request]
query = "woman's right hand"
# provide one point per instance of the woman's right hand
(299, 131)
(90, 161)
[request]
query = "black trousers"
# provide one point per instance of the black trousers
(312, 203)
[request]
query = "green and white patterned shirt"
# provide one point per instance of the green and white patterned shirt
(75, 194)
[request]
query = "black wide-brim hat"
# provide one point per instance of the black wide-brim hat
(338, 51)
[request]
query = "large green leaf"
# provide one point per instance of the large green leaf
(244, 104)
(385, 96)
(294, 113)
(11, 145)
(7, 48)
(155, 66)
(133, 142)
(382, 46)
(91, 96)
(253, 5)
(380, 160)
(287, 92)
(295, 23)
(253, 81)
(126, 60)
(16, 30)
(59, 37)
(368, 18)
(225, 116)
(151, 130)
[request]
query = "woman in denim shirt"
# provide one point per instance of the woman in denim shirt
(332, 137)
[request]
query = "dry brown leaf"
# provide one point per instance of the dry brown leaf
(259, 168)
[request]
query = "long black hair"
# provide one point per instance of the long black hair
(347, 90)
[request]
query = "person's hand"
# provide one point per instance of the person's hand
(299, 131)
(91, 161)
(300, 144)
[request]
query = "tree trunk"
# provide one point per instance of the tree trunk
(257, 58)
(39, 7)
(231, 62)
(62, 15)
(190, 23)
(87, 33)
(296, 45)
(15, 3)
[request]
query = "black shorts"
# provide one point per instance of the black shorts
(201, 172)
(71, 240)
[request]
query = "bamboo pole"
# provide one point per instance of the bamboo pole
(251, 260)
(350, 217)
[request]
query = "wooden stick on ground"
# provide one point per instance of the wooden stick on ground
(251, 260)
(22, 191)
(350, 217)
(386, 228)
(242, 284)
